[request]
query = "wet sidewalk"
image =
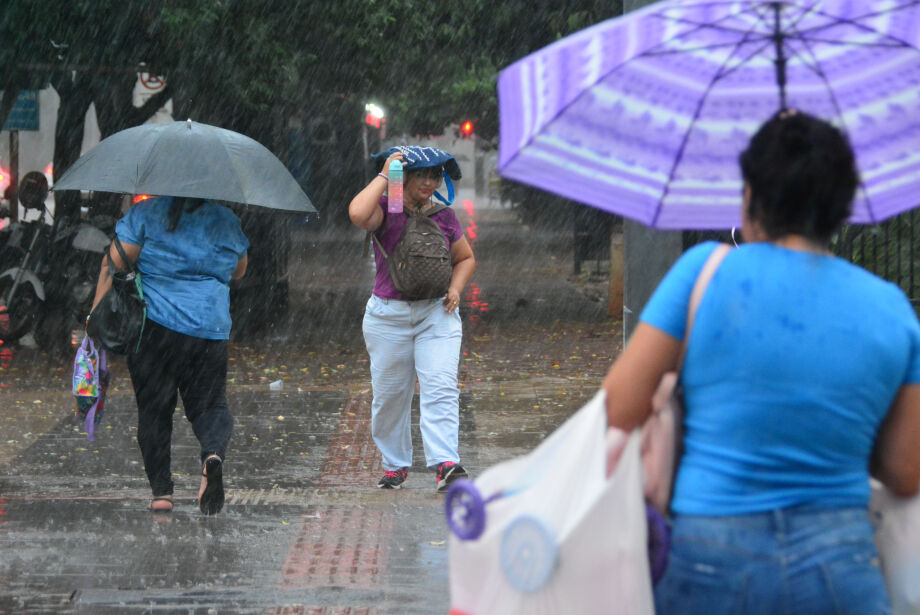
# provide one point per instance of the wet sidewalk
(303, 530)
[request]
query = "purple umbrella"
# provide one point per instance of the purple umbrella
(645, 115)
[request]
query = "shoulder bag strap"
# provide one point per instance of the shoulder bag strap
(121, 253)
(699, 288)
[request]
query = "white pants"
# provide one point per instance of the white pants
(406, 339)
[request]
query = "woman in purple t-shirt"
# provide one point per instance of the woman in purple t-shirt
(414, 339)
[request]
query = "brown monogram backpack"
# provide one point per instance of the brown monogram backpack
(420, 265)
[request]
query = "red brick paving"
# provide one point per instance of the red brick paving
(351, 457)
(323, 610)
(339, 547)
(343, 546)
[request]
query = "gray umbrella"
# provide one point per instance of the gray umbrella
(187, 159)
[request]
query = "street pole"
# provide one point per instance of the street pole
(14, 175)
(374, 113)
(366, 152)
(647, 253)
(479, 173)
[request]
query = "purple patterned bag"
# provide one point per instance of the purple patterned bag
(90, 382)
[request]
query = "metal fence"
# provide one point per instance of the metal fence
(889, 250)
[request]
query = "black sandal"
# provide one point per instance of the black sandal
(161, 498)
(212, 500)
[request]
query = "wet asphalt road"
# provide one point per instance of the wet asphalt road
(303, 530)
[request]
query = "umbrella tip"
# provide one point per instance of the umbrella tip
(189, 123)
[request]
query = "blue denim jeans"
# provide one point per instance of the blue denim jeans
(784, 562)
(408, 340)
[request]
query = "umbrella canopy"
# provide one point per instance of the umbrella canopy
(187, 159)
(645, 115)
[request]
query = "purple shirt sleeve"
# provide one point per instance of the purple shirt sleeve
(447, 220)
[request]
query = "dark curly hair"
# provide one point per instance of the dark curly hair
(802, 175)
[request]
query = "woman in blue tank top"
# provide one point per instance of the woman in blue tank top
(802, 376)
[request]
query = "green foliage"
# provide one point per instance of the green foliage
(429, 64)
(249, 64)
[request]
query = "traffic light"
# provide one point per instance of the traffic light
(374, 115)
(466, 129)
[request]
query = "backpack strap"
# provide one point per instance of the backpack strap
(435, 208)
(380, 245)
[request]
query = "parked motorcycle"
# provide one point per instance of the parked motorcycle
(47, 271)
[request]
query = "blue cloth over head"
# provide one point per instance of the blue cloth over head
(423, 157)
(186, 272)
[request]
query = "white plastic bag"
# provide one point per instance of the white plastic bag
(897, 537)
(563, 538)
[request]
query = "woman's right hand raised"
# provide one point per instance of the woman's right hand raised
(363, 211)
(386, 165)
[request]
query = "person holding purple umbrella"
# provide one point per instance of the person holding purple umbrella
(801, 379)
(410, 338)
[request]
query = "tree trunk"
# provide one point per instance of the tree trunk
(115, 110)
(68, 137)
(10, 94)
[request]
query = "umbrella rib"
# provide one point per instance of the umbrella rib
(696, 115)
(827, 41)
(804, 35)
(759, 13)
(562, 109)
(855, 23)
(723, 72)
(835, 20)
(685, 50)
(729, 70)
(816, 67)
(806, 62)
(754, 10)
(702, 25)
(801, 35)
(851, 20)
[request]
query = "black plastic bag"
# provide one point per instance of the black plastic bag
(118, 321)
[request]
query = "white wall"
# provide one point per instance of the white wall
(36, 148)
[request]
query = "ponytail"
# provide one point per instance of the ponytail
(180, 205)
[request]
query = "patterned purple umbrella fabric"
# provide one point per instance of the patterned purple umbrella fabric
(645, 115)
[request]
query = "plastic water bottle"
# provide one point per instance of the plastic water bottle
(395, 188)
